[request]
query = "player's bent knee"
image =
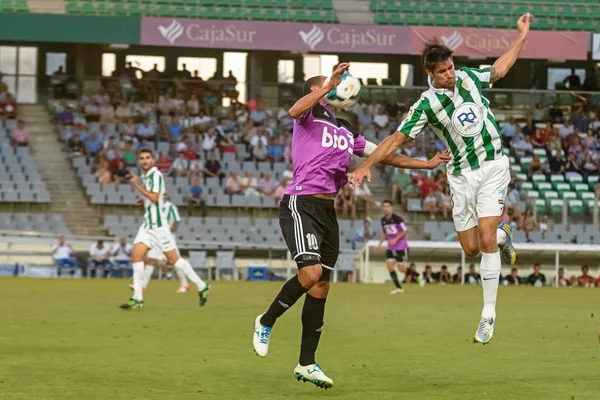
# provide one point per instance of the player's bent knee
(471, 251)
(489, 243)
(320, 290)
(310, 275)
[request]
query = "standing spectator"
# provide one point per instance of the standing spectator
(513, 279)
(267, 185)
(536, 279)
(573, 80)
(99, 257)
(63, 256)
(196, 197)
(212, 168)
(250, 185)
(146, 131)
(121, 252)
(400, 182)
(363, 193)
(472, 277)
(529, 129)
(193, 105)
(181, 165)
(20, 135)
(590, 82)
(346, 198)
(233, 184)
(164, 164)
(585, 280)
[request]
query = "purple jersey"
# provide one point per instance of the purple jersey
(322, 146)
(392, 228)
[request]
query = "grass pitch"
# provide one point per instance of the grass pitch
(64, 339)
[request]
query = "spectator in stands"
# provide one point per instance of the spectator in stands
(259, 152)
(540, 138)
(536, 279)
(209, 142)
(129, 155)
(456, 278)
(363, 234)
(121, 252)
(472, 277)
(103, 171)
(529, 222)
(513, 279)
(75, 146)
(283, 116)
(275, 151)
(289, 172)
(250, 185)
(146, 131)
(164, 164)
(111, 149)
(20, 135)
(408, 278)
(363, 193)
(196, 197)
(187, 149)
(443, 277)
(256, 103)
(446, 202)
(522, 146)
(556, 164)
(233, 185)
(193, 106)
(181, 165)
(585, 280)
(121, 174)
(556, 113)
(267, 185)
(346, 198)
(227, 144)
(428, 275)
(196, 167)
(535, 167)
(280, 191)
(572, 167)
(213, 168)
(107, 113)
(511, 202)
(573, 80)
(123, 111)
(567, 129)
(65, 117)
(590, 167)
(63, 256)
(529, 129)
(99, 257)
(381, 119)
(509, 131)
(400, 182)
(8, 108)
(431, 204)
(141, 111)
(261, 138)
(561, 279)
(92, 112)
(174, 129)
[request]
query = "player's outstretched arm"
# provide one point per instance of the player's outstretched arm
(134, 181)
(386, 148)
(508, 59)
(401, 161)
(310, 100)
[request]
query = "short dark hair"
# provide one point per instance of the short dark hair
(434, 53)
(146, 150)
(314, 81)
(386, 201)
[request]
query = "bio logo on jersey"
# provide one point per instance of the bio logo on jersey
(343, 141)
(467, 119)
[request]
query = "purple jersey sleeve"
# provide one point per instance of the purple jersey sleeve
(359, 146)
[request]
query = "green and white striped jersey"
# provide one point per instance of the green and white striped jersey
(462, 118)
(154, 215)
(171, 212)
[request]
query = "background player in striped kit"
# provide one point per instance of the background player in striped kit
(155, 232)
(456, 110)
(322, 146)
(155, 256)
(394, 230)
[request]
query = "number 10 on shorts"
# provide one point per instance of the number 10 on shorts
(311, 240)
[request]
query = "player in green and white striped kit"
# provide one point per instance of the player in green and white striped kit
(155, 256)
(479, 174)
(155, 232)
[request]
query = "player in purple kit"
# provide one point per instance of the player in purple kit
(394, 230)
(322, 146)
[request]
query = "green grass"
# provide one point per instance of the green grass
(63, 339)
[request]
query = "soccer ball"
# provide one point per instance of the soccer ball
(345, 94)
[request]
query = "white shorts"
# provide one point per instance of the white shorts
(158, 255)
(480, 193)
(159, 240)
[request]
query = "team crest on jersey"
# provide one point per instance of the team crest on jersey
(467, 119)
(465, 84)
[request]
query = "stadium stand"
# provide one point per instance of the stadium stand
(44, 223)
(267, 10)
(13, 6)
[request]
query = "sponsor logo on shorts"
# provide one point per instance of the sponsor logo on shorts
(501, 196)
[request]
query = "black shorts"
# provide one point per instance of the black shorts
(311, 232)
(397, 255)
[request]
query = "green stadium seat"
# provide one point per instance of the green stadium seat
(575, 179)
(590, 206)
(522, 177)
(515, 168)
(556, 180)
(562, 188)
(538, 179)
(543, 188)
(568, 195)
(533, 194)
(586, 196)
(556, 206)
(550, 194)
(580, 188)
(525, 161)
(526, 187)
(575, 207)
(540, 206)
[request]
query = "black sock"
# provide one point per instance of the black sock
(394, 276)
(291, 291)
(312, 326)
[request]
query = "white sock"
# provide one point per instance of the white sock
(182, 278)
(500, 237)
(148, 271)
(187, 269)
(490, 278)
(138, 280)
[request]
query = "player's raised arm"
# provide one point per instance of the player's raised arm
(315, 90)
(508, 59)
(150, 195)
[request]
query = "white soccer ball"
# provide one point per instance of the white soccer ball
(345, 94)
